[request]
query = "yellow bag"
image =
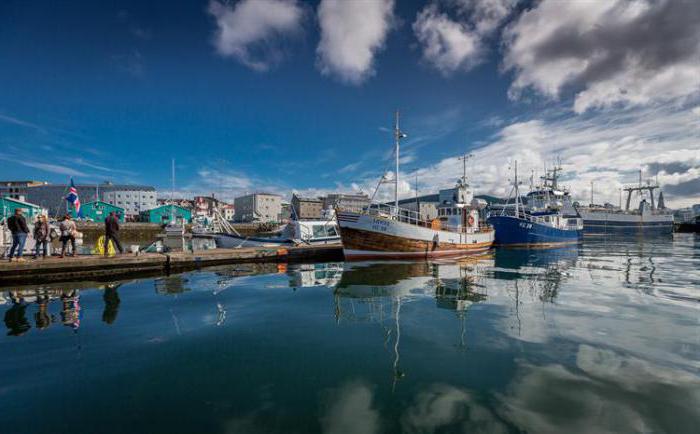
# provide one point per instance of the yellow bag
(100, 247)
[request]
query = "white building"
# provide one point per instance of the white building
(133, 198)
(257, 207)
(228, 211)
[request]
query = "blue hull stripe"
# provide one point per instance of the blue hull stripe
(512, 231)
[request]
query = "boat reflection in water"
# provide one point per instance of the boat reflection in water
(375, 292)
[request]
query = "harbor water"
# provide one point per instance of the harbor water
(601, 337)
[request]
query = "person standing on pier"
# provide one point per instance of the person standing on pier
(18, 226)
(68, 230)
(41, 235)
(112, 232)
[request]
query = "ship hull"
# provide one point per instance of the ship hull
(604, 224)
(515, 232)
(369, 237)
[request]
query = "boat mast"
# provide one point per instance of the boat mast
(517, 192)
(397, 138)
(172, 192)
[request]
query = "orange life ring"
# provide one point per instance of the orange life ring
(470, 220)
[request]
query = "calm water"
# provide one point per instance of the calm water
(600, 338)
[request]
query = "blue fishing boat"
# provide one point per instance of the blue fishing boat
(548, 217)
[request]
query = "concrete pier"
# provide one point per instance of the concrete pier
(86, 267)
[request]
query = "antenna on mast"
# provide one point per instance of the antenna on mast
(464, 159)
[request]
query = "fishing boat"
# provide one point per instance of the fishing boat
(548, 218)
(650, 217)
(387, 231)
(297, 232)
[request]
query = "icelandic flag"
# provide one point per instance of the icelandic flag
(73, 198)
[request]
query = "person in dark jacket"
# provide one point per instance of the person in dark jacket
(41, 235)
(112, 232)
(18, 226)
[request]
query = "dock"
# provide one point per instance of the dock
(96, 268)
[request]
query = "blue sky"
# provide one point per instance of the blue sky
(286, 95)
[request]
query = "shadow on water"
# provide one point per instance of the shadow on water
(594, 338)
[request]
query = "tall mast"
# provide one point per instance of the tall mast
(172, 192)
(398, 135)
(464, 159)
(517, 192)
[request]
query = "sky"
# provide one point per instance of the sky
(299, 96)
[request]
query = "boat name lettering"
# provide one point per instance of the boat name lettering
(526, 225)
(380, 225)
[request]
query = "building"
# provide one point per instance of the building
(426, 205)
(350, 202)
(684, 215)
(258, 207)
(306, 208)
(97, 211)
(8, 206)
(163, 214)
(133, 198)
(204, 206)
(228, 211)
(18, 189)
(185, 203)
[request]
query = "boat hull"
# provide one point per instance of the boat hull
(230, 241)
(373, 237)
(512, 231)
(610, 224)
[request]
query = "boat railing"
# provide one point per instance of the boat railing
(404, 215)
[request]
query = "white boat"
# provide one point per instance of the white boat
(297, 232)
(387, 231)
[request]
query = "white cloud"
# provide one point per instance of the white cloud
(352, 32)
(250, 30)
(616, 52)
(458, 43)
(448, 45)
(608, 149)
(351, 410)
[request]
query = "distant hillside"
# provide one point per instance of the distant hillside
(490, 199)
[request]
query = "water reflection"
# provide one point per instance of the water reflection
(112, 301)
(601, 338)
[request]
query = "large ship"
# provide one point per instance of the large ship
(387, 231)
(650, 218)
(546, 219)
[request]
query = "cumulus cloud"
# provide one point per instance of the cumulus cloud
(456, 41)
(350, 410)
(608, 149)
(447, 45)
(352, 33)
(251, 30)
(615, 52)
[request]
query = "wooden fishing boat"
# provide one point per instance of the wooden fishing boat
(387, 231)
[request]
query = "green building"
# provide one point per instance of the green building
(161, 214)
(9, 205)
(98, 211)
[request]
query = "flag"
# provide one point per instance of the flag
(73, 198)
